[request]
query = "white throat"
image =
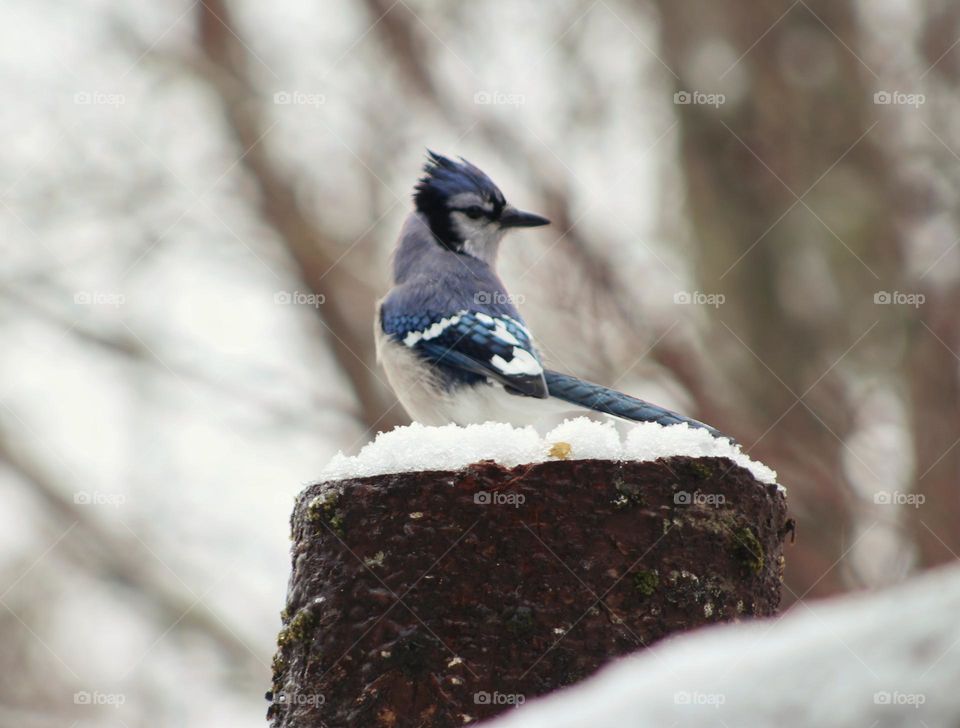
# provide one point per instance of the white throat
(481, 241)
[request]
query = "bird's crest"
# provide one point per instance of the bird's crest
(443, 178)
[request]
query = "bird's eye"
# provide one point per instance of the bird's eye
(474, 212)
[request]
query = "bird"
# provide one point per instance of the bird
(449, 336)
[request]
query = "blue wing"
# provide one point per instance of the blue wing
(477, 344)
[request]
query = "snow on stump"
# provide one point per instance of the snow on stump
(445, 575)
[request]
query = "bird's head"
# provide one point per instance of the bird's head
(466, 211)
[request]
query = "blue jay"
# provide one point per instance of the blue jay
(453, 345)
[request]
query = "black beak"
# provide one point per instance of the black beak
(511, 217)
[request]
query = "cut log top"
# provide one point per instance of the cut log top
(441, 597)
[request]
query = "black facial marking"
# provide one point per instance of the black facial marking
(445, 178)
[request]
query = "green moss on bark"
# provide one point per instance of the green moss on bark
(747, 549)
(646, 582)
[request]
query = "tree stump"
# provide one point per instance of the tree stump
(442, 598)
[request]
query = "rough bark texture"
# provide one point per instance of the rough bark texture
(440, 598)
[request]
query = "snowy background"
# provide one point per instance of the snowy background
(755, 222)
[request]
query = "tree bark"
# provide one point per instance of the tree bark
(442, 598)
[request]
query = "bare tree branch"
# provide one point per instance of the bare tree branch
(347, 300)
(121, 559)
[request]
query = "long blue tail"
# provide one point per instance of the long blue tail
(611, 402)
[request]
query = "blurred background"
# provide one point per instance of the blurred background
(755, 222)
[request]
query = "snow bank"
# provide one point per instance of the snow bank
(418, 447)
(883, 660)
